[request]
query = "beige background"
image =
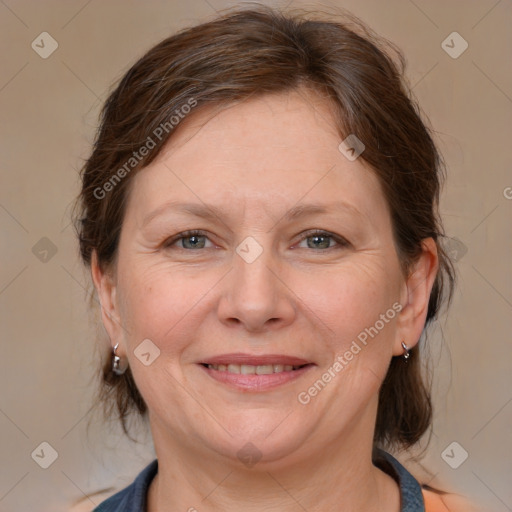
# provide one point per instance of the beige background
(49, 112)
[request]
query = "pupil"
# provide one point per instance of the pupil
(193, 241)
(320, 241)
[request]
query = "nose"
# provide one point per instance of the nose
(256, 296)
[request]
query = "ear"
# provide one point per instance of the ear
(415, 297)
(107, 293)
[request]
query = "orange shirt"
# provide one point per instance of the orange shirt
(435, 502)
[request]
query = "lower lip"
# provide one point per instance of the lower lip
(256, 382)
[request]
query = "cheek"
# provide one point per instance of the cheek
(356, 303)
(160, 302)
(350, 299)
(157, 305)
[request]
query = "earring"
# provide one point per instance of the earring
(118, 367)
(406, 353)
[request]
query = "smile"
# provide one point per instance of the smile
(249, 369)
(256, 373)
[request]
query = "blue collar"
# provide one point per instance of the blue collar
(133, 498)
(411, 497)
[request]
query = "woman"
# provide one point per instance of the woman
(260, 216)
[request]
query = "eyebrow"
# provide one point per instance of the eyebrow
(302, 210)
(206, 211)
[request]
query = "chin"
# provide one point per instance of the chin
(261, 441)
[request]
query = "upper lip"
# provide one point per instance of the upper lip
(256, 360)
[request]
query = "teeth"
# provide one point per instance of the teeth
(266, 369)
(233, 368)
(249, 369)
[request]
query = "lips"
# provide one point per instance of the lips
(249, 369)
(260, 360)
(255, 373)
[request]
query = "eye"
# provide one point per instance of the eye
(315, 239)
(318, 239)
(193, 239)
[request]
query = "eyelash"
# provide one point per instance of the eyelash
(342, 242)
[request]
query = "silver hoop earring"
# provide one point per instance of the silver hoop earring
(118, 367)
(406, 353)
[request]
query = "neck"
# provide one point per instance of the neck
(341, 479)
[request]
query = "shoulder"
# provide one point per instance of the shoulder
(130, 499)
(89, 503)
(102, 502)
(413, 493)
(446, 502)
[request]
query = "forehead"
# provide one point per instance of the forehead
(286, 125)
(272, 149)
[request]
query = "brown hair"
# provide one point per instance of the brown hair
(252, 52)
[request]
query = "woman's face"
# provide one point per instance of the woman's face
(294, 264)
